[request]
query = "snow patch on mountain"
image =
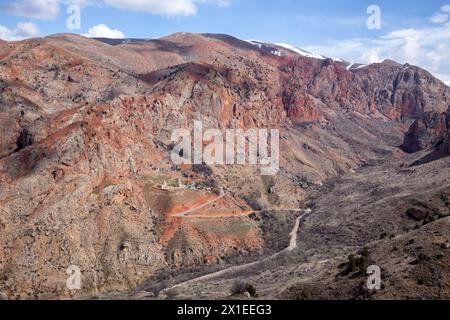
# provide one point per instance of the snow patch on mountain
(346, 64)
(362, 66)
(255, 43)
(300, 51)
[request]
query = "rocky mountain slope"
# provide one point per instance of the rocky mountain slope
(86, 127)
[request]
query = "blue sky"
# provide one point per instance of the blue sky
(415, 31)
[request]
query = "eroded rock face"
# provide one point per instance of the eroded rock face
(429, 130)
(435, 139)
(86, 130)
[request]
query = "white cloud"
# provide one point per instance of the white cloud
(22, 31)
(164, 7)
(439, 18)
(442, 16)
(220, 3)
(103, 31)
(27, 30)
(39, 9)
(428, 48)
(49, 9)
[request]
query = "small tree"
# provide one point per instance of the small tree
(251, 290)
(361, 263)
(352, 263)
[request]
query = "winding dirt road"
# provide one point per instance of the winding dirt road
(190, 211)
(234, 269)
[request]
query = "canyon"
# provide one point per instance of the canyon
(87, 179)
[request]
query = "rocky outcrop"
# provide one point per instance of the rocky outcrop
(431, 129)
(440, 137)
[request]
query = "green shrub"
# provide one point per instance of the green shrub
(251, 290)
(359, 263)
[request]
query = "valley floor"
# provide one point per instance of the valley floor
(394, 215)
